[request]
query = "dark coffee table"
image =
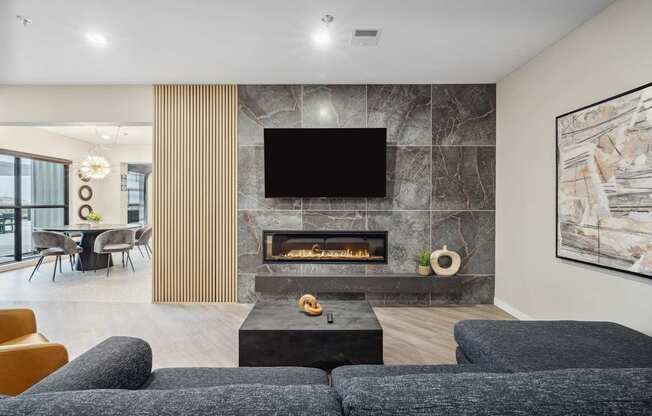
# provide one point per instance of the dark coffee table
(278, 334)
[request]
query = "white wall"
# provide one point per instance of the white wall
(111, 201)
(115, 104)
(45, 143)
(608, 55)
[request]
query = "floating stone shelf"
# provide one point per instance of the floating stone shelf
(379, 289)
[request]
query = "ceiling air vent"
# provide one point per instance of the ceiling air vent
(366, 37)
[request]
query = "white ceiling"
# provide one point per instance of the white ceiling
(103, 134)
(269, 41)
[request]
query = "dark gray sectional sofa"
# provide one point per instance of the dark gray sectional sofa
(507, 368)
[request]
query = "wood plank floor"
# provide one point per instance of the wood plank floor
(206, 335)
(80, 310)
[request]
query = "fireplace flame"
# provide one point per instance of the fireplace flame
(308, 254)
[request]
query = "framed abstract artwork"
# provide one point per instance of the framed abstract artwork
(604, 183)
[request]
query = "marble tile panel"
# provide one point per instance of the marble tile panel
(463, 178)
(334, 106)
(407, 180)
(470, 234)
(408, 233)
(272, 106)
(404, 110)
(464, 114)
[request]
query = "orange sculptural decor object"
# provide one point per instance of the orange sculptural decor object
(309, 304)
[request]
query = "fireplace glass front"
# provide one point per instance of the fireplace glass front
(325, 246)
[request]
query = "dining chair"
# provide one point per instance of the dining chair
(115, 241)
(55, 244)
(75, 236)
(143, 235)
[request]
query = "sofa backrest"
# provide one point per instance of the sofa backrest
(520, 346)
(115, 363)
(549, 393)
(252, 399)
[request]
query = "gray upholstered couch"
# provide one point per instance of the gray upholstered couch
(507, 369)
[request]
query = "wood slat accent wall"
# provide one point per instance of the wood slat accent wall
(195, 193)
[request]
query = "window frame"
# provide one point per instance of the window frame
(18, 206)
(142, 192)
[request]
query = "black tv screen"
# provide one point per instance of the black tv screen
(335, 163)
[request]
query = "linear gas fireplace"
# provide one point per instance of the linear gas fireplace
(325, 246)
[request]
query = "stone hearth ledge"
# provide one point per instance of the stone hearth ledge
(382, 289)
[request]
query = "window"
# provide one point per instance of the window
(137, 201)
(33, 194)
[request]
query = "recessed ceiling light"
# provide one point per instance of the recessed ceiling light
(96, 39)
(105, 137)
(322, 37)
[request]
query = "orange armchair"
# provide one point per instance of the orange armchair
(26, 356)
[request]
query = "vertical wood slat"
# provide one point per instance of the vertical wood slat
(195, 191)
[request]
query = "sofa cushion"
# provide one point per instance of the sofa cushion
(460, 357)
(181, 378)
(549, 393)
(340, 375)
(549, 345)
(253, 399)
(115, 363)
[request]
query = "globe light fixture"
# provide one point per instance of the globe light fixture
(94, 167)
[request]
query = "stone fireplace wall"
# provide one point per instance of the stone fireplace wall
(440, 176)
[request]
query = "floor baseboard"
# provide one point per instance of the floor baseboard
(512, 310)
(23, 264)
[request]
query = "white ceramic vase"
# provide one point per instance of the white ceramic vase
(456, 261)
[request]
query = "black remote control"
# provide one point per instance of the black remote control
(329, 317)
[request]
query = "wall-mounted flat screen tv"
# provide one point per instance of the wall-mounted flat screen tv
(333, 163)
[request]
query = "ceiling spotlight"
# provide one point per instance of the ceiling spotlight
(327, 19)
(26, 21)
(96, 39)
(322, 37)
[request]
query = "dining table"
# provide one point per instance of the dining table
(89, 232)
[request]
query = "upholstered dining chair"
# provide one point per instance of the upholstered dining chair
(143, 235)
(55, 244)
(115, 241)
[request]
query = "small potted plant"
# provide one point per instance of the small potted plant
(424, 263)
(94, 217)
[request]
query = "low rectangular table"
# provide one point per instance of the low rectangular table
(279, 334)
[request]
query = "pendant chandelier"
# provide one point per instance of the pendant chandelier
(94, 167)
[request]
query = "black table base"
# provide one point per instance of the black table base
(92, 260)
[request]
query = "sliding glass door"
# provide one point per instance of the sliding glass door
(33, 194)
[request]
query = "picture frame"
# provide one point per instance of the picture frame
(603, 198)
